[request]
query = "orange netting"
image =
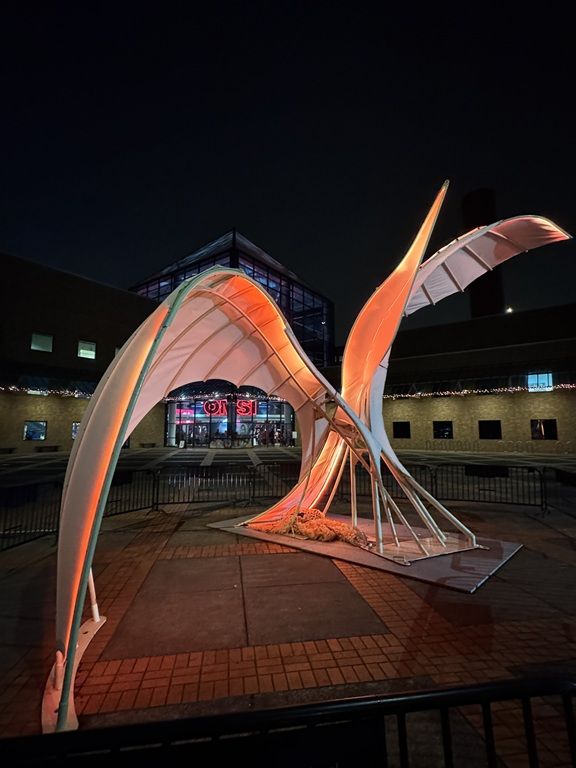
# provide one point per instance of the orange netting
(313, 524)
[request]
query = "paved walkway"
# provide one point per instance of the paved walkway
(522, 622)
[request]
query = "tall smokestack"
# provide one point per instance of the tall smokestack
(487, 292)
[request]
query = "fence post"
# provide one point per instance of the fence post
(155, 490)
(543, 489)
(433, 482)
(252, 490)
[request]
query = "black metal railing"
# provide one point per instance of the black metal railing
(464, 482)
(454, 727)
(30, 511)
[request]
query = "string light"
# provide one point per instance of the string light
(61, 392)
(219, 395)
(43, 391)
(466, 392)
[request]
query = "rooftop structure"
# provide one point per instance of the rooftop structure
(310, 315)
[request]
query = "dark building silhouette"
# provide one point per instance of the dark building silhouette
(487, 292)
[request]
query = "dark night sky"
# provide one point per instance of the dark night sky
(132, 133)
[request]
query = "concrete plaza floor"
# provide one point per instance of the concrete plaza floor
(202, 621)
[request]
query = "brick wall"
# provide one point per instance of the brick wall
(59, 413)
(513, 410)
(151, 428)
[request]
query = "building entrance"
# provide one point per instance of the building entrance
(230, 421)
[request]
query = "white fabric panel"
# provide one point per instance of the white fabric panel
(89, 460)
(377, 324)
(465, 268)
(223, 306)
(477, 252)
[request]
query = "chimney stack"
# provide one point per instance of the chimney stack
(487, 292)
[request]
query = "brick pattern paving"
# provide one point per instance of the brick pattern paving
(225, 550)
(421, 643)
(107, 686)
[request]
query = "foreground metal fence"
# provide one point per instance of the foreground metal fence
(30, 511)
(467, 726)
(466, 482)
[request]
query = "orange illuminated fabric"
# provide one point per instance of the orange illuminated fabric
(223, 325)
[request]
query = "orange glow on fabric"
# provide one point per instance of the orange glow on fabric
(381, 315)
(100, 469)
(378, 321)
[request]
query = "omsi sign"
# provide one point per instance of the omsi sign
(216, 408)
(246, 407)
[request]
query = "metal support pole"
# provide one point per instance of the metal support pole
(93, 603)
(377, 518)
(336, 482)
(386, 501)
(59, 671)
(353, 500)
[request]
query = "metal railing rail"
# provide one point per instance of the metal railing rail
(30, 511)
(365, 730)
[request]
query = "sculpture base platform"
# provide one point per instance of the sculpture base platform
(51, 698)
(457, 566)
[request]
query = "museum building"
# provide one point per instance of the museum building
(63, 337)
(220, 414)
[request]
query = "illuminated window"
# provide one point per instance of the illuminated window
(401, 429)
(35, 430)
(87, 349)
(544, 429)
(539, 382)
(41, 342)
(490, 429)
(75, 425)
(165, 288)
(442, 430)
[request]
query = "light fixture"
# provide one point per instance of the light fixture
(509, 310)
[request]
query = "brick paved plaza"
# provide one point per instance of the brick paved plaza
(195, 596)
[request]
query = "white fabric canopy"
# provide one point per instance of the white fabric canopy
(454, 267)
(221, 324)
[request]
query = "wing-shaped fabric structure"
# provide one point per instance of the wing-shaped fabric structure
(454, 267)
(220, 324)
(223, 325)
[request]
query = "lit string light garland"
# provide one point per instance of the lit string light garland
(62, 392)
(218, 395)
(466, 392)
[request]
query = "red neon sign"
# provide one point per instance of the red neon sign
(216, 408)
(246, 407)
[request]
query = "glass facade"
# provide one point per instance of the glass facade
(229, 421)
(197, 416)
(35, 430)
(87, 349)
(544, 429)
(41, 342)
(310, 314)
(490, 429)
(443, 430)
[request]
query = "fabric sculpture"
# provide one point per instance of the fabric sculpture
(221, 324)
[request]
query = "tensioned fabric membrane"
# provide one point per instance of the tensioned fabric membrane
(221, 324)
